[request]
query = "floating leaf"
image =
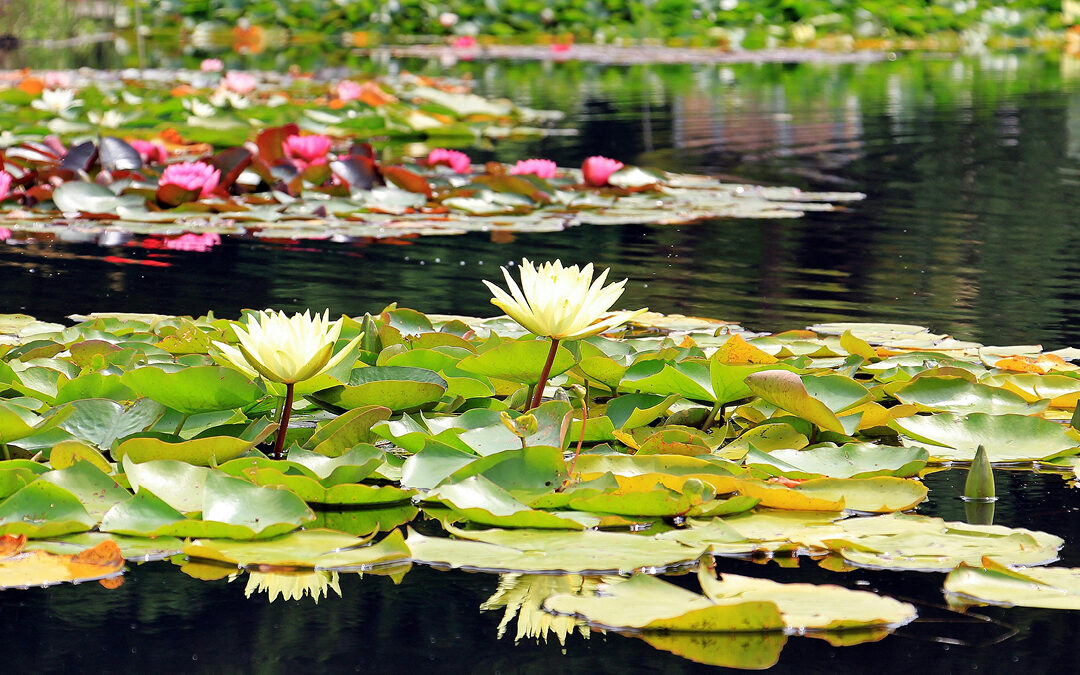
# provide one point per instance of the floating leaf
(1007, 438)
(991, 583)
(851, 460)
(194, 390)
(41, 510)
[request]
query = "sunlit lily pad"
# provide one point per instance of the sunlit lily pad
(1007, 438)
(319, 549)
(852, 460)
(991, 583)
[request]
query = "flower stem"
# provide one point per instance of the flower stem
(183, 418)
(286, 412)
(544, 374)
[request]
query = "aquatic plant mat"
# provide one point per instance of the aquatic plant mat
(100, 157)
(663, 449)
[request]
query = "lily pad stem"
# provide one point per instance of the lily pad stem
(286, 412)
(7, 452)
(581, 440)
(544, 374)
(183, 419)
(717, 409)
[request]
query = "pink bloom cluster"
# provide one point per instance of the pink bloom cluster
(191, 176)
(150, 152)
(465, 42)
(458, 161)
(5, 184)
(596, 170)
(211, 66)
(56, 80)
(306, 151)
(239, 81)
(347, 90)
(544, 168)
(199, 243)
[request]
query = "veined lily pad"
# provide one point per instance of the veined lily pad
(992, 583)
(178, 484)
(194, 390)
(816, 399)
(518, 361)
(395, 387)
(1007, 438)
(852, 460)
(953, 394)
(42, 510)
(97, 491)
(483, 502)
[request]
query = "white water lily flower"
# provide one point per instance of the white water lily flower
(56, 101)
(199, 108)
(563, 303)
(223, 97)
(110, 119)
(287, 349)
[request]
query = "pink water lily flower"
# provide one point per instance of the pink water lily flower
(596, 170)
(211, 66)
(465, 42)
(191, 176)
(240, 82)
(150, 152)
(456, 160)
(306, 151)
(543, 168)
(347, 90)
(5, 185)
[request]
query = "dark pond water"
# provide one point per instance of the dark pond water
(971, 167)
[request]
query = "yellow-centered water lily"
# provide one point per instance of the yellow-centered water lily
(286, 349)
(563, 303)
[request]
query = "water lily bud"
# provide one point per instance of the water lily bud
(370, 342)
(698, 491)
(980, 478)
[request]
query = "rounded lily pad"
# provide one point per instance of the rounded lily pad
(149, 446)
(194, 390)
(1007, 438)
(398, 388)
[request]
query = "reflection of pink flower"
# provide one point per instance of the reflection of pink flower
(239, 81)
(191, 176)
(544, 168)
(597, 170)
(151, 153)
(560, 47)
(465, 42)
(5, 185)
(347, 90)
(199, 243)
(458, 161)
(211, 65)
(307, 150)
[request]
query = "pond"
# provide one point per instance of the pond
(970, 166)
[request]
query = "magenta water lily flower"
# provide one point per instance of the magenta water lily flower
(211, 66)
(5, 185)
(150, 152)
(240, 82)
(307, 150)
(347, 90)
(543, 168)
(465, 42)
(191, 176)
(596, 170)
(456, 160)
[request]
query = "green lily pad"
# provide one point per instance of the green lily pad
(851, 460)
(178, 484)
(101, 422)
(646, 603)
(42, 510)
(953, 394)
(815, 398)
(97, 491)
(518, 361)
(992, 583)
(549, 551)
(348, 430)
(395, 387)
(149, 446)
(194, 390)
(1007, 438)
(318, 549)
(483, 502)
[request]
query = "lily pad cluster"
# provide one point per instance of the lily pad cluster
(669, 446)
